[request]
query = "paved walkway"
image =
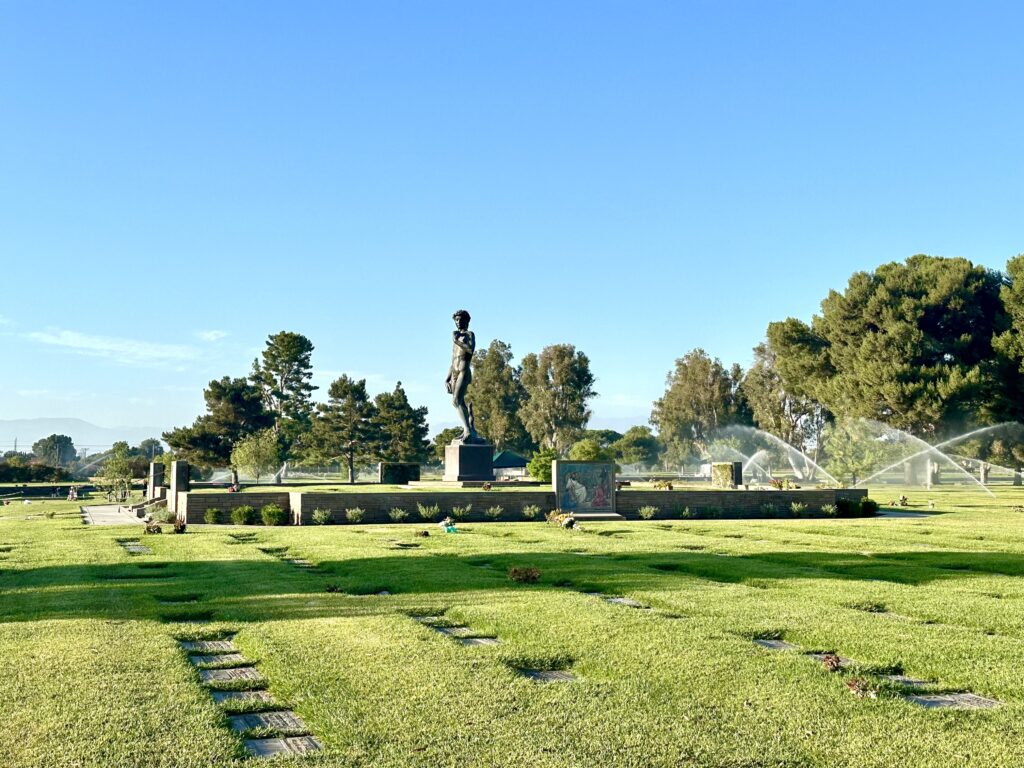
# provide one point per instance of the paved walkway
(108, 514)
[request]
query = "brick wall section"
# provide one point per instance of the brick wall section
(378, 505)
(736, 504)
(731, 503)
(192, 506)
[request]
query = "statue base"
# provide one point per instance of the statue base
(468, 461)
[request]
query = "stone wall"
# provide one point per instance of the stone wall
(300, 505)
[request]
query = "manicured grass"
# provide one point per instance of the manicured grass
(94, 675)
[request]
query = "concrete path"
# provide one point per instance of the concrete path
(108, 514)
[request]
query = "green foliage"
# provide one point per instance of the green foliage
(401, 429)
(273, 514)
(211, 516)
(493, 513)
(539, 466)
(589, 449)
(637, 446)
(55, 450)
(768, 509)
(497, 396)
(685, 513)
(868, 507)
(558, 385)
(257, 454)
(117, 471)
(244, 515)
(797, 508)
(701, 397)
(854, 450)
(428, 511)
(461, 512)
(344, 427)
(355, 514)
(284, 376)
(647, 512)
(322, 516)
(847, 508)
(829, 510)
(398, 515)
(910, 344)
(530, 511)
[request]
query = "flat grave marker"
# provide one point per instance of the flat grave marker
(474, 641)
(296, 745)
(775, 645)
(282, 720)
(219, 658)
(230, 675)
(548, 675)
(221, 697)
(208, 646)
(951, 701)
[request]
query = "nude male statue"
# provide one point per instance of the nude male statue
(459, 375)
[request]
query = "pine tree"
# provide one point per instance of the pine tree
(344, 427)
(401, 429)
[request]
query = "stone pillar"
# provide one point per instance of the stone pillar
(471, 461)
(179, 483)
(156, 479)
(1018, 475)
(737, 474)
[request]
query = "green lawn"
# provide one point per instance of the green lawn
(93, 674)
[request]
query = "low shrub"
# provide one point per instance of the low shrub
(397, 515)
(355, 514)
(647, 512)
(712, 513)
(322, 516)
(686, 514)
(768, 509)
(868, 507)
(493, 513)
(428, 511)
(846, 508)
(524, 574)
(797, 508)
(273, 514)
(530, 511)
(828, 510)
(211, 516)
(180, 526)
(166, 516)
(244, 515)
(461, 513)
(153, 528)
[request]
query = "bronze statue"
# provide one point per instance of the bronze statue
(460, 374)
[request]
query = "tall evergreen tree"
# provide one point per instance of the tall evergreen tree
(701, 396)
(344, 427)
(910, 344)
(558, 384)
(284, 377)
(234, 410)
(497, 396)
(402, 429)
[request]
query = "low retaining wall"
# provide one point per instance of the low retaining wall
(376, 506)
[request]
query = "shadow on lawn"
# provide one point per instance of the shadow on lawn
(262, 590)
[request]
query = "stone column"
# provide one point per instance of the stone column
(156, 479)
(1018, 475)
(179, 483)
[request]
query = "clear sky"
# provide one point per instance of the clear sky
(179, 180)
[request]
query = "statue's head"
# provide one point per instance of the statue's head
(461, 319)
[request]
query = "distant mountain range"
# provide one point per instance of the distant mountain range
(84, 434)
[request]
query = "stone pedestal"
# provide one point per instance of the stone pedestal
(179, 483)
(468, 462)
(156, 479)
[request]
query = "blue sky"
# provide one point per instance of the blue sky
(179, 181)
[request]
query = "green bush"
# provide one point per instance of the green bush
(273, 514)
(493, 513)
(539, 466)
(647, 512)
(868, 507)
(322, 516)
(428, 511)
(397, 515)
(711, 513)
(244, 515)
(211, 516)
(686, 514)
(797, 508)
(846, 508)
(828, 510)
(166, 516)
(461, 513)
(355, 514)
(768, 509)
(531, 511)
